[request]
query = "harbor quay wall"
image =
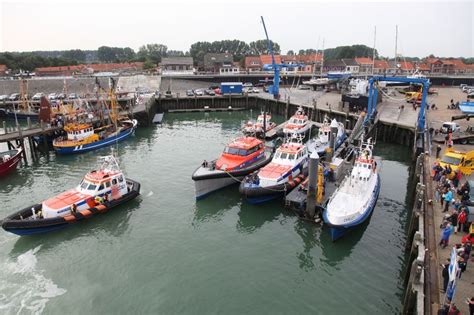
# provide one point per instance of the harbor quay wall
(388, 132)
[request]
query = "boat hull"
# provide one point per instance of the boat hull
(211, 181)
(338, 231)
(96, 145)
(257, 195)
(10, 165)
(14, 224)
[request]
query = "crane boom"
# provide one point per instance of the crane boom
(274, 89)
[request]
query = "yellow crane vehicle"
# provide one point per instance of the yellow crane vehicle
(458, 161)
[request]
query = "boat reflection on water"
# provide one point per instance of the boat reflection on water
(111, 225)
(216, 205)
(334, 253)
(252, 218)
(309, 234)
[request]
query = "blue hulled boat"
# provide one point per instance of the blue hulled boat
(354, 201)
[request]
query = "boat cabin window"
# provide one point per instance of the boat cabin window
(114, 181)
(291, 156)
(107, 184)
(120, 179)
(84, 185)
(284, 155)
(101, 186)
(92, 187)
(235, 151)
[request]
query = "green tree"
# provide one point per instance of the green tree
(148, 64)
(154, 52)
(75, 54)
(290, 53)
(260, 47)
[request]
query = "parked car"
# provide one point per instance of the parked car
(52, 96)
(247, 84)
(60, 96)
(189, 93)
(462, 85)
(3, 97)
(304, 87)
(217, 91)
(247, 90)
(210, 92)
(72, 96)
(470, 95)
(467, 88)
(37, 96)
(255, 90)
(198, 92)
(168, 94)
(14, 97)
(450, 126)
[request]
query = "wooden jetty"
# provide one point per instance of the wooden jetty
(16, 138)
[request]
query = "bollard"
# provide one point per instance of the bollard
(332, 139)
(312, 185)
(28, 119)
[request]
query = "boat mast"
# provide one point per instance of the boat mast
(396, 42)
(322, 59)
(373, 50)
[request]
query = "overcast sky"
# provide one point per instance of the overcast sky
(425, 27)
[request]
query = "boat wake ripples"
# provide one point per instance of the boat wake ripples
(24, 288)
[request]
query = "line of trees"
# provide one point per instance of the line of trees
(152, 54)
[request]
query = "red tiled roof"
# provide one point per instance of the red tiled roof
(252, 61)
(3, 68)
(423, 67)
(381, 64)
(447, 62)
(363, 60)
(267, 59)
(431, 60)
(289, 58)
(309, 58)
(96, 67)
(459, 64)
(406, 65)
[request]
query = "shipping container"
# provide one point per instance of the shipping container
(231, 88)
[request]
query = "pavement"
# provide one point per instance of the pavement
(465, 285)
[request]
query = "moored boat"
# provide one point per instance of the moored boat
(84, 137)
(287, 169)
(240, 158)
(321, 143)
(9, 160)
(99, 191)
(256, 127)
(297, 124)
(354, 200)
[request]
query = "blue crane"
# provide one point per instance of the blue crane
(373, 91)
(275, 88)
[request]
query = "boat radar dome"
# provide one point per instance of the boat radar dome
(334, 124)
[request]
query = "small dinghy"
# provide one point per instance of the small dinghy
(353, 202)
(287, 169)
(9, 160)
(99, 191)
(240, 158)
(321, 142)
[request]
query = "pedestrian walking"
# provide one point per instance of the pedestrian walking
(438, 150)
(445, 274)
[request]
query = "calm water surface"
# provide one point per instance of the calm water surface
(165, 253)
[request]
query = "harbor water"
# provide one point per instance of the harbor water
(165, 253)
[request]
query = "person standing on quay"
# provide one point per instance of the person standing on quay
(445, 236)
(448, 197)
(438, 150)
(445, 274)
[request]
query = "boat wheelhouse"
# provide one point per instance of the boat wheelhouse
(297, 124)
(256, 128)
(239, 158)
(287, 169)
